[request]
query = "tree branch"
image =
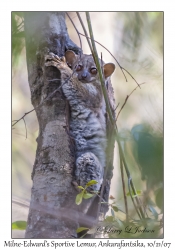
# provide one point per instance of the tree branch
(126, 99)
(16, 121)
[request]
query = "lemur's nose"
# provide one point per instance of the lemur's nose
(84, 74)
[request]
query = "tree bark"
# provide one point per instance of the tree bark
(52, 212)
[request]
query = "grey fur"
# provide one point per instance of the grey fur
(87, 122)
(88, 128)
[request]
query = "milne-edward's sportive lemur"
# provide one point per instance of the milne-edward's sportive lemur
(82, 88)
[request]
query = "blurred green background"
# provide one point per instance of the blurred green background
(136, 41)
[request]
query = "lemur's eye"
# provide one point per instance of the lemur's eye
(93, 71)
(79, 67)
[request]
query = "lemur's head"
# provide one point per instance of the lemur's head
(85, 66)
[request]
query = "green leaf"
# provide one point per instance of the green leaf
(87, 195)
(80, 229)
(115, 208)
(19, 225)
(92, 182)
(138, 192)
(109, 219)
(79, 198)
(80, 187)
(112, 212)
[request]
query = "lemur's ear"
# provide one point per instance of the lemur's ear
(70, 57)
(108, 69)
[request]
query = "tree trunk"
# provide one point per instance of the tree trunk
(52, 208)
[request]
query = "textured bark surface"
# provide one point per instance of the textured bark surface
(52, 208)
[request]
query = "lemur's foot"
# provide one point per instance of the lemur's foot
(53, 60)
(89, 168)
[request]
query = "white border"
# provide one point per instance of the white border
(5, 93)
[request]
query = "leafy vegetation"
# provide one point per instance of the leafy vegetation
(19, 225)
(84, 194)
